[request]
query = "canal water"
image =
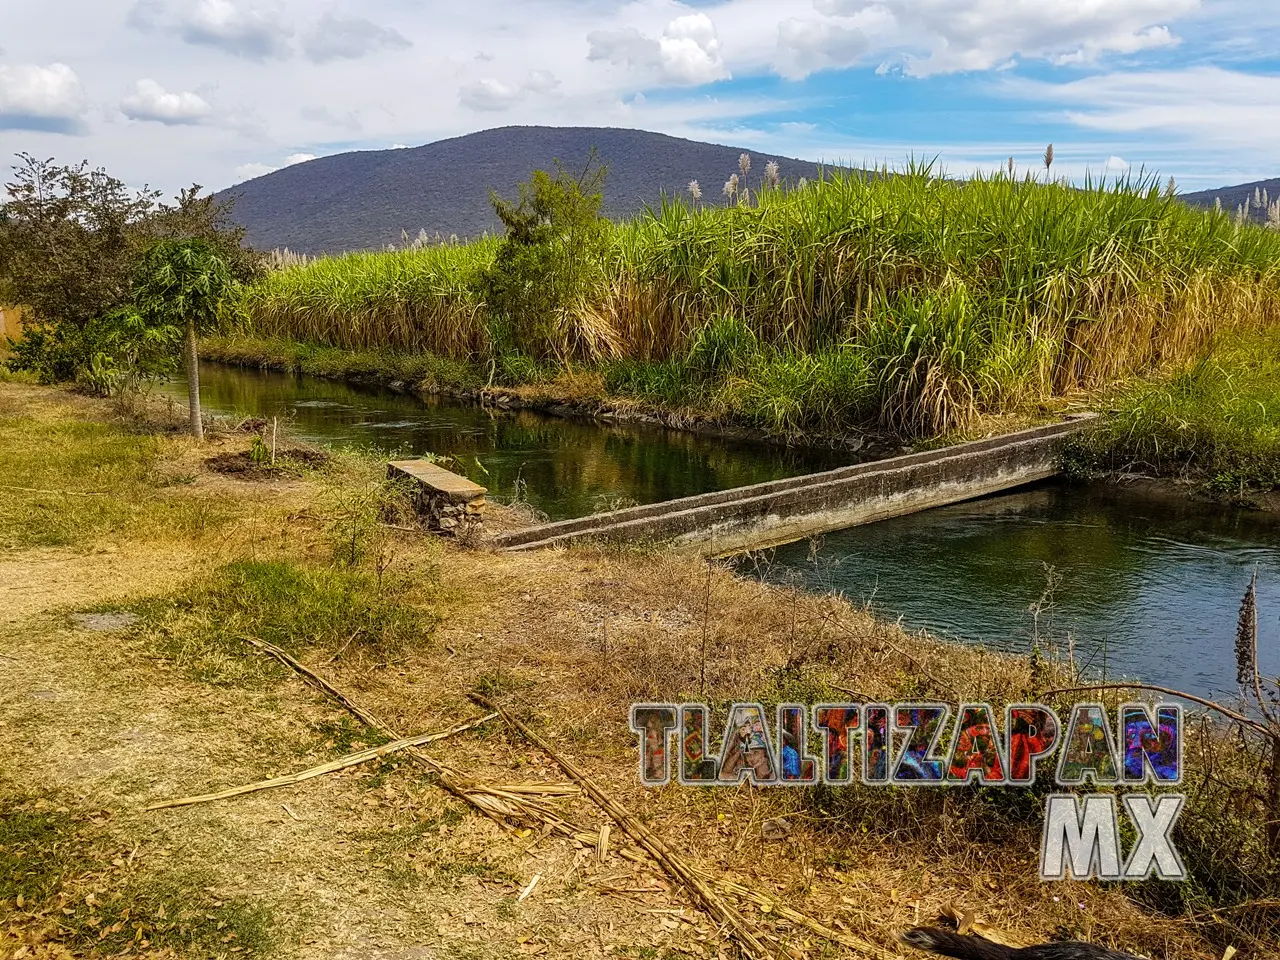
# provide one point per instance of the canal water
(1141, 584)
(563, 467)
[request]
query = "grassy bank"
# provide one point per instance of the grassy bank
(904, 303)
(425, 372)
(102, 722)
(1215, 421)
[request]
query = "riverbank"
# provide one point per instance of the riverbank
(1213, 424)
(124, 623)
(1210, 430)
(580, 392)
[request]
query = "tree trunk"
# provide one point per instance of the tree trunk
(193, 382)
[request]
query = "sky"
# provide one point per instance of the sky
(171, 92)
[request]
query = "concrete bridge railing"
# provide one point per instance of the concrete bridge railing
(781, 511)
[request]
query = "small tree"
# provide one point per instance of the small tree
(181, 283)
(71, 240)
(553, 245)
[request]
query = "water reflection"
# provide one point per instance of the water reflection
(1150, 584)
(566, 468)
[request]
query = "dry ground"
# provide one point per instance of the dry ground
(378, 862)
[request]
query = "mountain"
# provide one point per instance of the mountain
(363, 200)
(1233, 197)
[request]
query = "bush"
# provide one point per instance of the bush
(111, 354)
(543, 270)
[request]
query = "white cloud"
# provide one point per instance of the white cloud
(1208, 106)
(688, 51)
(491, 95)
(250, 171)
(244, 28)
(48, 99)
(247, 171)
(348, 121)
(150, 101)
(626, 46)
(495, 65)
(1114, 165)
(349, 38)
(928, 37)
(805, 46)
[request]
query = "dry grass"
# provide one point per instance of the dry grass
(379, 862)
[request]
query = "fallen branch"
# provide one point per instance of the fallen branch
(342, 763)
(61, 493)
(669, 860)
(509, 803)
(504, 807)
(1229, 714)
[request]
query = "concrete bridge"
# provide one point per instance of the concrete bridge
(781, 511)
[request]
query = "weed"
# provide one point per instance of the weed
(291, 605)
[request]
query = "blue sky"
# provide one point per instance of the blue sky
(173, 91)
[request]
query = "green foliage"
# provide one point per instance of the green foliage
(70, 238)
(111, 354)
(905, 302)
(181, 282)
(197, 216)
(545, 267)
(426, 371)
(293, 606)
(1216, 420)
(658, 381)
(789, 391)
(71, 243)
(411, 301)
(723, 345)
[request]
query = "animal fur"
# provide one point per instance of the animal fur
(950, 944)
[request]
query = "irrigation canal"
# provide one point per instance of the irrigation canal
(1145, 584)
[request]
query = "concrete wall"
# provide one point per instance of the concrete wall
(767, 514)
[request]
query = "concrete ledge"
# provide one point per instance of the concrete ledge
(437, 480)
(768, 514)
(450, 504)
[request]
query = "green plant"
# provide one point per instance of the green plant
(546, 264)
(908, 302)
(259, 452)
(293, 606)
(71, 241)
(1216, 419)
(181, 283)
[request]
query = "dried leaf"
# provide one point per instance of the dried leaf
(529, 889)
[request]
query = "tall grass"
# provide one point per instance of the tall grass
(906, 300)
(414, 300)
(1216, 420)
